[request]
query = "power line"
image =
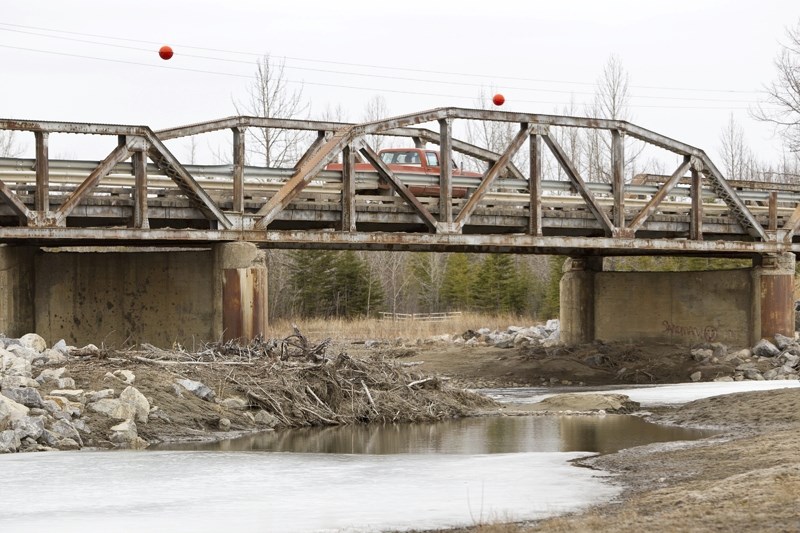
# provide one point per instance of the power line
(493, 77)
(342, 86)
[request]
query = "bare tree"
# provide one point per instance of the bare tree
(8, 145)
(493, 135)
(269, 97)
(737, 159)
(784, 92)
(375, 109)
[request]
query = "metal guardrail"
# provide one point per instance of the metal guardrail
(420, 317)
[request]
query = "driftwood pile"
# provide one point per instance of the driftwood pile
(301, 385)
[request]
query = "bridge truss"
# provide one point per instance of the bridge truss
(155, 199)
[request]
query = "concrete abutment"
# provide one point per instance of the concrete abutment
(128, 295)
(736, 307)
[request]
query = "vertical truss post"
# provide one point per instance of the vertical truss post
(445, 172)
(696, 222)
(238, 169)
(348, 188)
(140, 219)
(42, 197)
(618, 176)
(535, 184)
(773, 210)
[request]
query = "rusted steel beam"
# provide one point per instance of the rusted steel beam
(375, 160)
(71, 127)
(696, 222)
(42, 200)
(238, 169)
(322, 136)
(119, 154)
(726, 193)
(488, 179)
(579, 184)
(139, 219)
(618, 177)
(658, 197)
(17, 206)
(445, 172)
(401, 121)
(302, 175)
(170, 165)
(348, 189)
(510, 243)
(246, 122)
(535, 185)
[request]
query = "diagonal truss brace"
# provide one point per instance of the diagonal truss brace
(118, 155)
(491, 175)
(303, 174)
(383, 171)
(724, 191)
(659, 196)
(579, 184)
(168, 164)
(19, 208)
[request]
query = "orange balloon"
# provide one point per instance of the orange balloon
(165, 52)
(498, 99)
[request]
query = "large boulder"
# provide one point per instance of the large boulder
(112, 408)
(27, 396)
(33, 341)
(9, 441)
(136, 401)
(29, 426)
(11, 382)
(66, 430)
(764, 348)
(125, 435)
(51, 374)
(14, 365)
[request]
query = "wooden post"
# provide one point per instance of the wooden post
(773, 210)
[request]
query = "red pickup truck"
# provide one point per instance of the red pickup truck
(413, 161)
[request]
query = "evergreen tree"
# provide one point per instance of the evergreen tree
(313, 281)
(427, 276)
(498, 286)
(552, 303)
(457, 284)
(356, 292)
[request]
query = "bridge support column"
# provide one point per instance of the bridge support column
(773, 296)
(240, 291)
(16, 290)
(576, 300)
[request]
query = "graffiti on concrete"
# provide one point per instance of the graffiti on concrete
(706, 333)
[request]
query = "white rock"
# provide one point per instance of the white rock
(724, 379)
(65, 429)
(9, 382)
(101, 395)
(265, 418)
(73, 395)
(137, 402)
(552, 324)
(62, 347)
(126, 435)
(198, 389)
(11, 410)
(112, 408)
(696, 376)
(29, 426)
(33, 341)
(65, 383)
(14, 365)
(27, 396)
(9, 441)
(50, 374)
(235, 403)
(54, 357)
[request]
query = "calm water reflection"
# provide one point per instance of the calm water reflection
(602, 434)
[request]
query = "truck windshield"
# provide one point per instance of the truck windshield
(401, 158)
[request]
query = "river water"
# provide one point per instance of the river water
(336, 479)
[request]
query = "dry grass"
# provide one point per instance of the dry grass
(340, 330)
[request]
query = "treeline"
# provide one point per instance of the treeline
(348, 284)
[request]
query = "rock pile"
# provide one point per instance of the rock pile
(764, 361)
(513, 337)
(49, 412)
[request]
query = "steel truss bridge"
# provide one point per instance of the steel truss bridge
(141, 194)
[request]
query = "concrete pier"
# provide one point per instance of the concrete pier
(735, 307)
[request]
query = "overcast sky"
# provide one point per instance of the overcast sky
(691, 62)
